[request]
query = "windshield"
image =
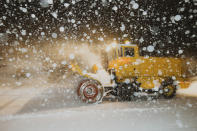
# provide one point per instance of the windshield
(129, 52)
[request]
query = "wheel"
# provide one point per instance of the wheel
(125, 92)
(168, 89)
(90, 91)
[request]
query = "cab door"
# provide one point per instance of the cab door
(131, 70)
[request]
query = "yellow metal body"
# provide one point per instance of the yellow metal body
(150, 71)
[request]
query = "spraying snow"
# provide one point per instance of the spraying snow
(102, 76)
(50, 64)
(191, 91)
(91, 58)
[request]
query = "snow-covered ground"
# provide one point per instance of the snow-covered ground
(57, 108)
(159, 115)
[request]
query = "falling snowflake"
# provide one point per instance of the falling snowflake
(122, 28)
(54, 35)
(28, 75)
(135, 6)
(150, 48)
(61, 29)
(33, 15)
(115, 8)
(23, 9)
(71, 56)
(23, 32)
(144, 13)
(63, 62)
(72, 21)
(54, 14)
(180, 51)
(66, 5)
(177, 18)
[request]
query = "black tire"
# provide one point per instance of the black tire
(125, 92)
(168, 89)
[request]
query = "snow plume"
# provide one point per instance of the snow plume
(53, 61)
(65, 53)
(192, 90)
(21, 66)
(46, 63)
(85, 56)
(191, 66)
(47, 67)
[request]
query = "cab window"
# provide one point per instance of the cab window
(129, 52)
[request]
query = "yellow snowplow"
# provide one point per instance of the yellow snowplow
(132, 74)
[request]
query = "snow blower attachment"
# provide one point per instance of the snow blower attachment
(133, 75)
(90, 91)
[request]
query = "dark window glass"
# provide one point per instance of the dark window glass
(129, 52)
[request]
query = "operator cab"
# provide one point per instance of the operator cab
(121, 51)
(127, 50)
